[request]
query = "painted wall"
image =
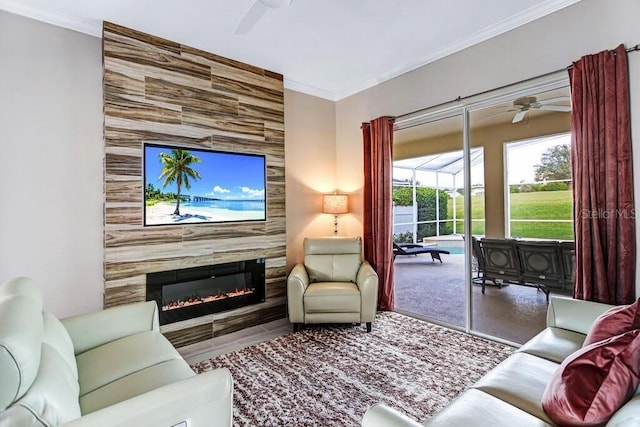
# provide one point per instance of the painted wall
(310, 164)
(548, 44)
(51, 154)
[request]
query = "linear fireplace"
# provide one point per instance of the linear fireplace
(193, 292)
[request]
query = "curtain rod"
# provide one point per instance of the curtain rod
(635, 48)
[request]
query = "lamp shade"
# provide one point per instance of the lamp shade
(335, 204)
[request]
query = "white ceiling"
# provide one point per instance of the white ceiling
(327, 48)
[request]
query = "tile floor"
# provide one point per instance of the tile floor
(234, 341)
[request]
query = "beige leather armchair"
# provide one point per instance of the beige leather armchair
(334, 285)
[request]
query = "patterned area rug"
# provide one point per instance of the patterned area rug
(330, 375)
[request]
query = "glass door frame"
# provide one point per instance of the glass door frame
(463, 107)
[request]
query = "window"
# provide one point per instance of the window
(539, 191)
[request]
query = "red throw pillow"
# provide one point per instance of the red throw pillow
(614, 321)
(594, 382)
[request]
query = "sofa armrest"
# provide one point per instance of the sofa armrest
(297, 283)
(574, 315)
(367, 281)
(91, 330)
(201, 400)
(381, 415)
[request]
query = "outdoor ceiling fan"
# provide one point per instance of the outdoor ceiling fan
(522, 106)
(256, 12)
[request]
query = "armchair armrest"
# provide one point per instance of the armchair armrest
(201, 400)
(381, 415)
(297, 283)
(367, 281)
(94, 329)
(574, 315)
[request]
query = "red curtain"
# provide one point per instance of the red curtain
(603, 179)
(378, 232)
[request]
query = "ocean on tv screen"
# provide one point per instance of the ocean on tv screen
(192, 186)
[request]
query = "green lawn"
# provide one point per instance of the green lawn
(532, 206)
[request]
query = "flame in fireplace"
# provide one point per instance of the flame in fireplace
(197, 299)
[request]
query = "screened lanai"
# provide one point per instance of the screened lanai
(444, 174)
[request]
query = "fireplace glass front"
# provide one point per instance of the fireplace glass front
(193, 292)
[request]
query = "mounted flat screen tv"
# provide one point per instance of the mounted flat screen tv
(186, 186)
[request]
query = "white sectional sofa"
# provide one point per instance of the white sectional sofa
(511, 394)
(109, 368)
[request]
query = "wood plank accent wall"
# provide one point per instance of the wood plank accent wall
(159, 91)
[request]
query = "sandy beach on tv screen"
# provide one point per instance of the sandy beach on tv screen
(162, 213)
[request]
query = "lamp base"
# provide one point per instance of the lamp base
(335, 225)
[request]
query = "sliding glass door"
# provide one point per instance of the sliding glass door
(428, 211)
(528, 208)
(468, 175)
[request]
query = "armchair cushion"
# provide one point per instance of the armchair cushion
(332, 297)
(332, 259)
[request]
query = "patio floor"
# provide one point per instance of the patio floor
(436, 291)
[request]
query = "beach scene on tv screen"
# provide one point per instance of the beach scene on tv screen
(196, 186)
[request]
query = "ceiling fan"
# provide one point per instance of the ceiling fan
(523, 105)
(256, 12)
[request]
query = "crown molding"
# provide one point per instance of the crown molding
(81, 25)
(310, 90)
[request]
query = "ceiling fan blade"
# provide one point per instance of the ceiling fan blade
(552, 100)
(250, 19)
(563, 108)
(518, 117)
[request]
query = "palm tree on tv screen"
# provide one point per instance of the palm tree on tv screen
(176, 167)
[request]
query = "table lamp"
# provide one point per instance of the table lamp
(335, 204)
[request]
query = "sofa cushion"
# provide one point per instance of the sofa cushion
(628, 415)
(117, 359)
(574, 315)
(520, 380)
(592, 384)
(21, 331)
(615, 321)
(553, 344)
(479, 409)
(23, 286)
(135, 384)
(58, 338)
(52, 399)
(332, 297)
